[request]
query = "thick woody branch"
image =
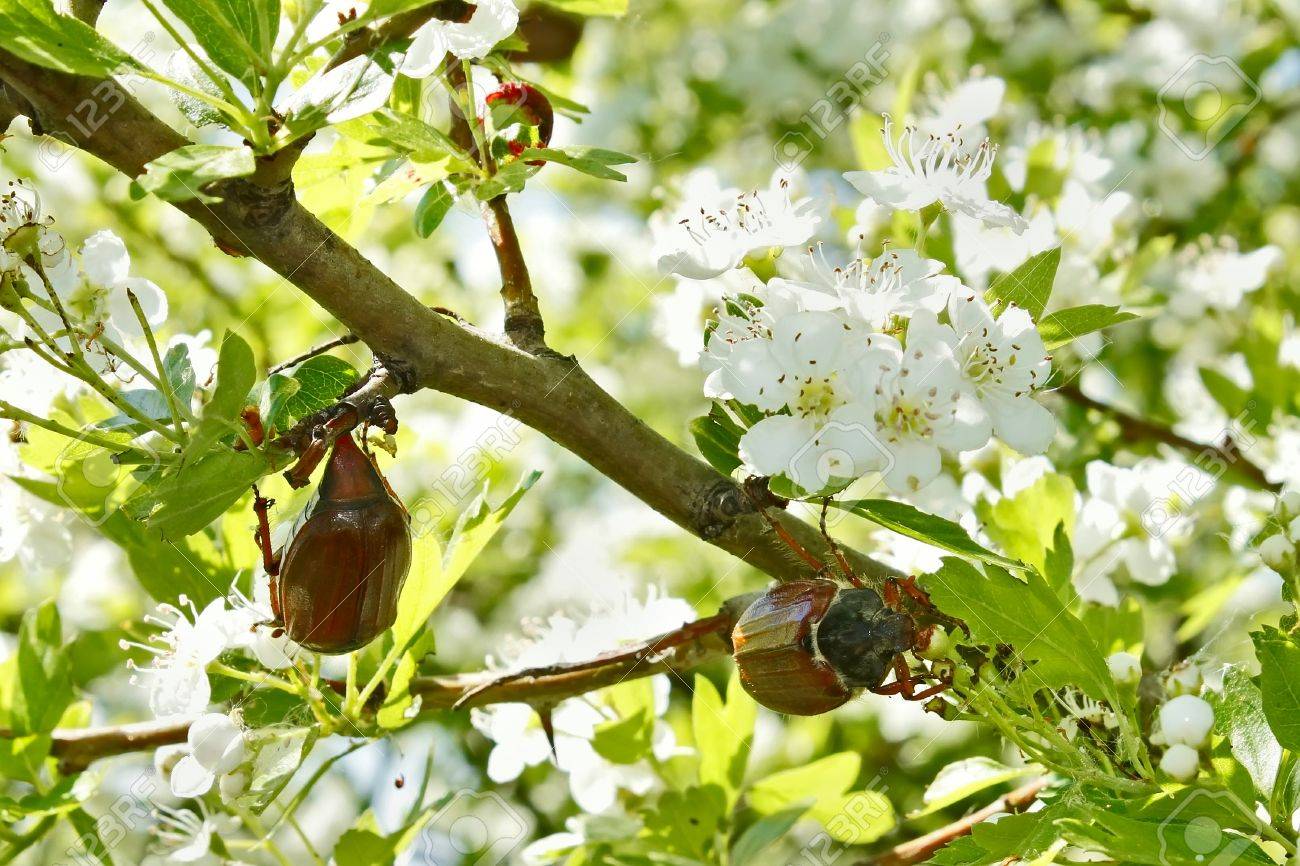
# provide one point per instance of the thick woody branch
(1136, 429)
(419, 347)
(694, 644)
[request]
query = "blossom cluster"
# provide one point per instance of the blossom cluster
(190, 640)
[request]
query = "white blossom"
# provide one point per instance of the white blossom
(713, 229)
(187, 835)
(935, 170)
(1002, 363)
(217, 746)
(491, 22)
(177, 678)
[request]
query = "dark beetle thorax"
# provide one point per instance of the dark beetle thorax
(350, 475)
(859, 636)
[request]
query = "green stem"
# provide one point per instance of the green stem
(306, 843)
(255, 825)
(35, 264)
(380, 674)
(260, 679)
(28, 839)
(163, 385)
(13, 413)
(350, 693)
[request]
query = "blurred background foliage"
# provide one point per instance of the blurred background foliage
(716, 84)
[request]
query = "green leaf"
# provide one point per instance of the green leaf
(433, 574)
(409, 135)
(236, 373)
(965, 778)
(90, 845)
(718, 438)
(1028, 615)
(1235, 400)
(1012, 838)
(433, 206)
(1239, 716)
(200, 492)
(182, 174)
(591, 7)
(723, 733)
(704, 808)
(825, 777)
(476, 527)
(1116, 629)
(627, 739)
(763, 832)
(850, 817)
(348, 91)
(932, 529)
(1181, 838)
(315, 383)
(1029, 286)
(278, 753)
(1065, 326)
(1025, 525)
(237, 35)
(1279, 682)
(44, 687)
(34, 31)
(594, 161)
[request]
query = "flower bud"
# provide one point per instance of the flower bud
(232, 785)
(939, 647)
(1186, 719)
(1183, 679)
(1124, 667)
(1275, 549)
(1181, 762)
(1290, 500)
(1293, 529)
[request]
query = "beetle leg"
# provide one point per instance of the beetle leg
(782, 533)
(312, 455)
(840, 558)
(905, 683)
(270, 559)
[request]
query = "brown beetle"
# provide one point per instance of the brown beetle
(335, 585)
(807, 646)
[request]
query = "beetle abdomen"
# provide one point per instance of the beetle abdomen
(343, 570)
(772, 644)
(340, 580)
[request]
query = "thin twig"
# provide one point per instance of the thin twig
(345, 340)
(691, 645)
(916, 850)
(1136, 429)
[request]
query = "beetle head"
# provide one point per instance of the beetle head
(859, 636)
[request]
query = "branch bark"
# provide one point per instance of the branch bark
(419, 347)
(921, 848)
(1136, 429)
(677, 651)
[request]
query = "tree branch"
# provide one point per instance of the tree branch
(418, 346)
(679, 650)
(916, 850)
(1136, 429)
